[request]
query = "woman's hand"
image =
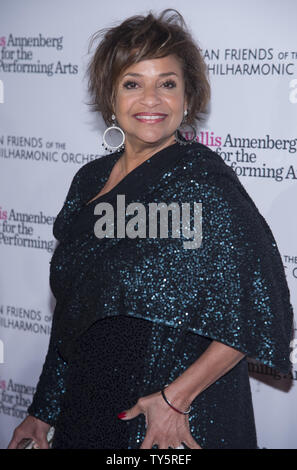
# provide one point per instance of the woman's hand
(164, 426)
(31, 428)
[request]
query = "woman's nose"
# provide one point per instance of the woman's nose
(150, 96)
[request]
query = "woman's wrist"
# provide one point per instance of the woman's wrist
(216, 361)
(177, 397)
(184, 412)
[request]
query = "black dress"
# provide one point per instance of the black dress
(109, 357)
(133, 313)
(108, 366)
(109, 362)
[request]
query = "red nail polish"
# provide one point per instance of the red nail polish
(122, 415)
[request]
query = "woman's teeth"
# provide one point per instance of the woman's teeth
(150, 118)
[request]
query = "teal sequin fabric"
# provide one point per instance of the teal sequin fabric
(231, 289)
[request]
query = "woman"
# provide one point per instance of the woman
(150, 334)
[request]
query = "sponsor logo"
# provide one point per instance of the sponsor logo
(15, 398)
(17, 229)
(26, 319)
(38, 149)
(17, 56)
(250, 62)
(240, 153)
(291, 269)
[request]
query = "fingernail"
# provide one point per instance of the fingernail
(122, 415)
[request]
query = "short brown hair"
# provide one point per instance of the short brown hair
(146, 37)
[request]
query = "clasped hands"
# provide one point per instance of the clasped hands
(165, 427)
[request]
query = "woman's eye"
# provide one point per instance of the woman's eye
(132, 85)
(128, 85)
(171, 84)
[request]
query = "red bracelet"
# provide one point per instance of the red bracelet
(168, 402)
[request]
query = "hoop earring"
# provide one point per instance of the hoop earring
(179, 133)
(113, 148)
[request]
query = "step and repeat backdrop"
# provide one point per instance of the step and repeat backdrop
(47, 133)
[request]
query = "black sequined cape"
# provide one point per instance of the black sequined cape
(231, 289)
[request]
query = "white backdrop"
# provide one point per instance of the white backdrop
(47, 132)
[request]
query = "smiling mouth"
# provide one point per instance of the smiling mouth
(150, 118)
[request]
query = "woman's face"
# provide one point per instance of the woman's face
(150, 100)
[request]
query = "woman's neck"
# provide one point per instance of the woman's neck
(134, 155)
